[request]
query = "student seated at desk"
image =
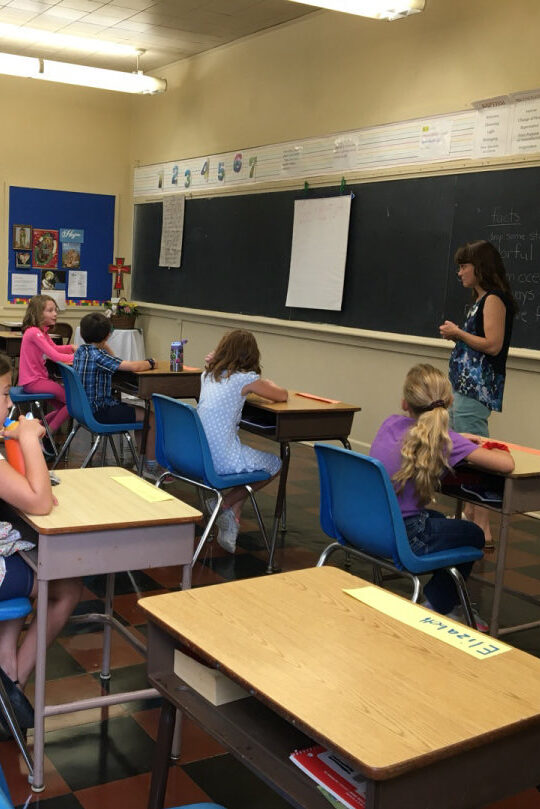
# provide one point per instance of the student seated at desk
(232, 371)
(36, 347)
(416, 450)
(95, 363)
(30, 492)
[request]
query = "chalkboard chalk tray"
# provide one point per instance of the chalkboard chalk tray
(400, 276)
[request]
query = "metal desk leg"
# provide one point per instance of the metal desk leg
(144, 436)
(285, 452)
(107, 629)
(39, 703)
(345, 441)
(501, 558)
(160, 768)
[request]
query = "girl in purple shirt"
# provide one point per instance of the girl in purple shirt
(416, 450)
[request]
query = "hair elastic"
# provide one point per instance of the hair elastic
(433, 405)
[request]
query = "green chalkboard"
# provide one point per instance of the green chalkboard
(399, 277)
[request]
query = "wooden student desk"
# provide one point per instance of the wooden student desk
(427, 724)
(521, 493)
(298, 419)
(99, 526)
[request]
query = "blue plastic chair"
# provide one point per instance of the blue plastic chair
(359, 509)
(33, 400)
(182, 448)
(79, 409)
(10, 609)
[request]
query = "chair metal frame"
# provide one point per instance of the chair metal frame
(33, 400)
(182, 449)
(79, 409)
(377, 536)
(10, 609)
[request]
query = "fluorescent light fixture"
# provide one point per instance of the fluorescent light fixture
(100, 78)
(12, 65)
(66, 73)
(35, 36)
(378, 9)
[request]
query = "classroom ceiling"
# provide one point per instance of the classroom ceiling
(167, 30)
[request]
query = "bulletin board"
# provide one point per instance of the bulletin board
(55, 237)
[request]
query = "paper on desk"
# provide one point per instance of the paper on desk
(142, 488)
(461, 637)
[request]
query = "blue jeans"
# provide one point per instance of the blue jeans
(429, 531)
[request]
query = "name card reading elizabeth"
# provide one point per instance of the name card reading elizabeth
(461, 637)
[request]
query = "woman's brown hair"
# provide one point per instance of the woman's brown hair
(488, 267)
(237, 351)
(34, 311)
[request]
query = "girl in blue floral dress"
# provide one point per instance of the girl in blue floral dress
(232, 371)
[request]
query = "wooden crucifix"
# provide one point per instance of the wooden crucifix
(119, 268)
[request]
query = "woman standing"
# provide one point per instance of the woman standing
(478, 361)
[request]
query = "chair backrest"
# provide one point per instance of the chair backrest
(359, 505)
(5, 798)
(76, 399)
(65, 330)
(181, 444)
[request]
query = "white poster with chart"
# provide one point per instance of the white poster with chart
(319, 251)
(172, 231)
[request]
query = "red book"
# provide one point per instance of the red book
(332, 773)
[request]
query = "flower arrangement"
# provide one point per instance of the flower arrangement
(122, 313)
(120, 307)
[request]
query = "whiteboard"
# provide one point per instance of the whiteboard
(319, 251)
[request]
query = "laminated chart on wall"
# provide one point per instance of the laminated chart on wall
(172, 231)
(319, 252)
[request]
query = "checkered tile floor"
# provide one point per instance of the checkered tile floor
(101, 759)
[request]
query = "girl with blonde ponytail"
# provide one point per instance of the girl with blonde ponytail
(417, 449)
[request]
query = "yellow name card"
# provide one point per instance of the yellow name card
(461, 637)
(142, 488)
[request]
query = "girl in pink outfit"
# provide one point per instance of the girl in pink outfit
(37, 346)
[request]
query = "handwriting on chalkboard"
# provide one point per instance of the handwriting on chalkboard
(519, 248)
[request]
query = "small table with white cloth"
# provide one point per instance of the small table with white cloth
(128, 344)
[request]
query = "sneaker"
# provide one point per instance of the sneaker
(228, 528)
(457, 614)
(210, 502)
(21, 706)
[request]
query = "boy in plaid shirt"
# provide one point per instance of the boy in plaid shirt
(95, 363)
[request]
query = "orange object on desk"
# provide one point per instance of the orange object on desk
(317, 398)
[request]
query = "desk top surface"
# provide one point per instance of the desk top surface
(12, 335)
(89, 500)
(163, 367)
(362, 683)
(300, 404)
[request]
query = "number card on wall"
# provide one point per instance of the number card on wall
(319, 252)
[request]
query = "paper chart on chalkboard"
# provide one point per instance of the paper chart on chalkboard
(319, 252)
(172, 231)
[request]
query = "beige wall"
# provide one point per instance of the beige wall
(326, 73)
(66, 138)
(329, 72)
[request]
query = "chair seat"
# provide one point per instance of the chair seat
(17, 395)
(201, 806)
(114, 429)
(433, 561)
(14, 608)
(240, 479)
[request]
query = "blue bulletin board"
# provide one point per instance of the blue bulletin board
(89, 220)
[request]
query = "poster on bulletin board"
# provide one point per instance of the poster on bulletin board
(61, 244)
